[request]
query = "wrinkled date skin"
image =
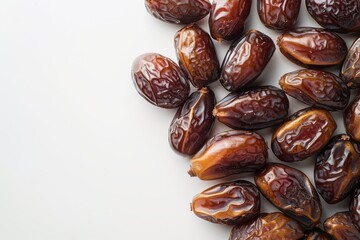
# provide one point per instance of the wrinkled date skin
(317, 9)
(246, 60)
(159, 80)
(317, 234)
(178, 11)
(196, 54)
(268, 226)
(229, 153)
(312, 47)
(352, 119)
(337, 169)
(227, 18)
(340, 227)
(305, 133)
(355, 208)
(228, 203)
(350, 71)
(316, 88)
(254, 108)
(291, 191)
(279, 14)
(192, 123)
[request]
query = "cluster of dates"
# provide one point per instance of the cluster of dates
(303, 134)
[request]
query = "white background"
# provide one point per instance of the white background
(82, 155)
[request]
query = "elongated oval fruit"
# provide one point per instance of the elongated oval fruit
(352, 119)
(317, 9)
(291, 191)
(316, 88)
(268, 226)
(229, 153)
(178, 11)
(192, 123)
(317, 234)
(228, 203)
(227, 18)
(305, 133)
(254, 108)
(337, 169)
(196, 54)
(246, 60)
(312, 47)
(355, 208)
(279, 14)
(350, 71)
(340, 227)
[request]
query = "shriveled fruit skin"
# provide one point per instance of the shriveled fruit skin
(340, 227)
(352, 119)
(317, 9)
(317, 234)
(350, 71)
(355, 208)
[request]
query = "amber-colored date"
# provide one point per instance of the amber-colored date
(291, 191)
(316, 88)
(317, 234)
(340, 227)
(279, 14)
(228, 203)
(268, 226)
(246, 59)
(159, 80)
(178, 11)
(355, 208)
(227, 18)
(350, 71)
(196, 54)
(312, 47)
(229, 153)
(352, 119)
(254, 108)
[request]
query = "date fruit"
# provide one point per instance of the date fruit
(229, 153)
(227, 18)
(279, 14)
(355, 208)
(312, 47)
(228, 203)
(192, 123)
(246, 60)
(316, 88)
(178, 11)
(340, 227)
(352, 119)
(303, 134)
(317, 234)
(159, 80)
(268, 226)
(317, 9)
(196, 54)
(350, 71)
(254, 108)
(291, 191)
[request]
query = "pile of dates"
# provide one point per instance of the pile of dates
(306, 133)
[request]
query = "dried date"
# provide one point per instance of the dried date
(350, 71)
(317, 234)
(352, 119)
(345, 14)
(340, 227)
(317, 9)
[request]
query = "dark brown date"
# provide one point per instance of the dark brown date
(228, 203)
(178, 11)
(227, 18)
(352, 119)
(196, 54)
(254, 108)
(345, 13)
(317, 234)
(192, 123)
(340, 227)
(279, 14)
(303, 134)
(159, 80)
(317, 9)
(246, 59)
(337, 169)
(350, 71)
(312, 47)
(355, 208)
(268, 226)
(229, 153)
(291, 191)
(316, 88)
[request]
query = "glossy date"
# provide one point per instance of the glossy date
(340, 227)
(350, 71)
(352, 119)
(317, 234)
(355, 208)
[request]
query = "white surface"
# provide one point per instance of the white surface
(82, 155)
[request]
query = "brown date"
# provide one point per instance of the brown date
(254, 108)
(317, 9)
(246, 59)
(291, 191)
(352, 119)
(303, 134)
(229, 153)
(316, 88)
(227, 18)
(337, 169)
(317, 234)
(312, 47)
(228, 203)
(340, 227)
(178, 11)
(345, 13)
(350, 71)
(279, 14)
(196, 54)
(192, 123)
(355, 208)
(268, 226)
(159, 80)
